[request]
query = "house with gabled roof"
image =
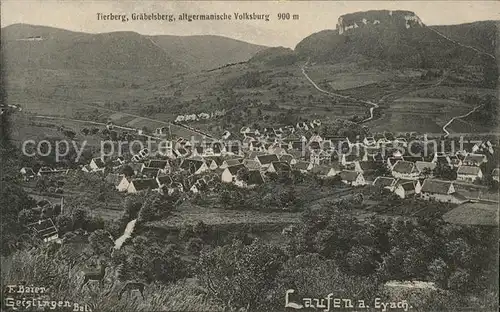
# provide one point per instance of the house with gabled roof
(229, 175)
(162, 165)
(45, 229)
(148, 172)
(114, 179)
(255, 178)
(97, 164)
(232, 148)
(303, 166)
(442, 191)
(424, 167)
(141, 185)
(474, 160)
(405, 170)
(352, 178)
(231, 162)
(471, 191)
(251, 164)
(266, 160)
(406, 188)
(199, 186)
(385, 182)
(123, 184)
(279, 167)
(366, 167)
(194, 166)
(325, 171)
(289, 159)
(214, 162)
(469, 173)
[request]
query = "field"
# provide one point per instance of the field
(474, 213)
(423, 115)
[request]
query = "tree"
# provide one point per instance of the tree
(128, 171)
(100, 243)
(240, 274)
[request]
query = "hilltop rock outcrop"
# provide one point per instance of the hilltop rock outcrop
(378, 18)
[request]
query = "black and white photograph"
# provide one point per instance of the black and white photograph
(249, 156)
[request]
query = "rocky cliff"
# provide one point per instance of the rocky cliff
(378, 18)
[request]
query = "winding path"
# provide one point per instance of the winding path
(127, 233)
(458, 117)
(461, 44)
(372, 104)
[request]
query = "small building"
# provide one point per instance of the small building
(352, 178)
(366, 167)
(279, 167)
(469, 173)
(229, 175)
(231, 162)
(425, 167)
(97, 164)
(45, 229)
(385, 182)
(214, 162)
(148, 172)
(164, 180)
(251, 164)
(303, 166)
(406, 188)
(405, 170)
(162, 165)
(289, 159)
(442, 191)
(141, 185)
(255, 178)
(266, 160)
(325, 171)
(123, 184)
(194, 166)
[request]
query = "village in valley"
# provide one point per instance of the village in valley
(199, 172)
(407, 167)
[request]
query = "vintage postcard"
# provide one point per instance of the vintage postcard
(249, 156)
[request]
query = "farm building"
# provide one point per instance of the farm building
(45, 229)
(405, 170)
(474, 160)
(303, 166)
(279, 167)
(352, 178)
(469, 173)
(229, 175)
(325, 171)
(442, 191)
(141, 185)
(97, 164)
(194, 166)
(424, 167)
(266, 160)
(407, 188)
(385, 182)
(231, 162)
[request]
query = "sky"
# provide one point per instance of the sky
(314, 16)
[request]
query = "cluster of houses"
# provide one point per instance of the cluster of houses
(200, 116)
(188, 167)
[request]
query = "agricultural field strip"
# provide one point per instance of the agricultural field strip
(374, 105)
(458, 117)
